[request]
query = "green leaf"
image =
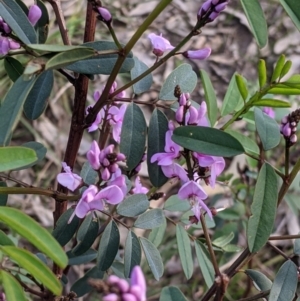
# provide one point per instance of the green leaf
(257, 21)
(3, 197)
(260, 281)
(278, 68)
(36, 101)
(292, 7)
(262, 73)
(12, 157)
(11, 107)
(297, 246)
(174, 203)
(157, 234)
(64, 231)
(286, 68)
(12, 288)
(171, 293)
(88, 174)
(40, 151)
(285, 283)
(132, 254)
(284, 91)
(65, 58)
(102, 63)
(47, 48)
(35, 267)
(241, 84)
(267, 128)
(224, 240)
(5, 240)
(210, 97)
(208, 141)
(248, 144)
(86, 257)
(28, 228)
(42, 24)
(205, 264)
(153, 258)
(133, 135)
(15, 17)
(263, 209)
(232, 99)
(150, 219)
(184, 77)
(82, 286)
(86, 235)
(134, 205)
(109, 246)
(145, 83)
(13, 68)
(158, 126)
(185, 251)
(271, 102)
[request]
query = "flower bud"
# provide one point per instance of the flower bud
(34, 14)
(179, 114)
(193, 115)
(293, 139)
(104, 15)
(200, 54)
(182, 100)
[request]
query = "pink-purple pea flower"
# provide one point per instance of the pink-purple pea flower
(92, 199)
(104, 15)
(139, 188)
(269, 111)
(68, 178)
(121, 290)
(175, 170)
(34, 14)
(159, 44)
(200, 54)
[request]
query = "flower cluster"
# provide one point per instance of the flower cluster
(111, 113)
(288, 127)
(117, 289)
(211, 9)
(202, 166)
(7, 43)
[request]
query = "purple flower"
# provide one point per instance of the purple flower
(93, 155)
(209, 167)
(202, 119)
(6, 44)
(139, 188)
(195, 194)
(93, 200)
(200, 54)
(211, 9)
(105, 14)
(119, 289)
(119, 180)
(34, 14)
(175, 170)
(269, 111)
(171, 151)
(68, 179)
(116, 121)
(159, 44)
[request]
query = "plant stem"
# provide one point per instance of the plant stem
(287, 159)
(283, 237)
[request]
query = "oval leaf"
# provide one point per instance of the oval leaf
(150, 219)
(267, 128)
(145, 83)
(12, 288)
(5, 240)
(28, 228)
(35, 267)
(158, 126)
(185, 251)
(174, 203)
(184, 77)
(88, 174)
(11, 106)
(64, 231)
(208, 141)
(134, 205)
(43, 23)
(133, 253)
(205, 264)
(257, 21)
(260, 281)
(12, 157)
(108, 247)
(210, 97)
(157, 234)
(86, 257)
(241, 84)
(153, 258)
(263, 209)
(13, 68)
(292, 9)
(171, 293)
(37, 98)
(248, 144)
(133, 135)
(271, 102)
(278, 68)
(15, 17)
(285, 283)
